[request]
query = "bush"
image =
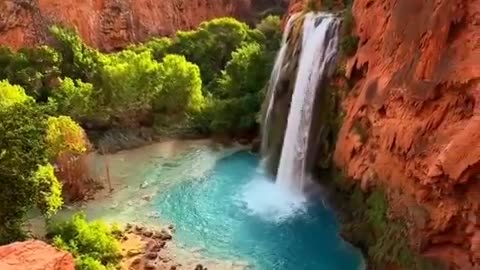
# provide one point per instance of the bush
(93, 244)
(50, 190)
(349, 45)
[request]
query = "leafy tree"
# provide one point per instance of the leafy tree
(22, 150)
(35, 69)
(271, 27)
(50, 190)
(211, 45)
(12, 94)
(181, 89)
(78, 60)
(127, 80)
(74, 98)
(93, 244)
(64, 135)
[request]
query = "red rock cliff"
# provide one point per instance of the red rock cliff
(34, 255)
(109, 24)
(417, 97)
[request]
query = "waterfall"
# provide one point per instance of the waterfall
(319, 49)
(272, 84)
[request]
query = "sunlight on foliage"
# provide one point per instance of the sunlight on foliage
(93, 244)
(50, 190)
(181, 87)
(11, 94)
(74, 98)
(65, 135)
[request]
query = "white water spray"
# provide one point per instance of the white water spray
(319, 47)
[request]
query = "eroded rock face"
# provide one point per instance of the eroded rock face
(34, 255)
(109, 24)
(416, 98)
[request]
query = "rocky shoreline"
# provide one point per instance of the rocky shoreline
(147, 248)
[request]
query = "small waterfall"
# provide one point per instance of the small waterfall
(272, 85)
(319, 49)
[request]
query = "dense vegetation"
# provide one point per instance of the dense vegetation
(211, 79)
(93, 244)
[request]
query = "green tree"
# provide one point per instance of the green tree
(35, 69)
(181, 88)
(93, 244)
(64, 135)
(127, 81)
(78, 60)
(11, 95)
(74, 98)
(22, 150)
(211, 45)
(50, 190)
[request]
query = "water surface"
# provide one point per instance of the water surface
(222, 204)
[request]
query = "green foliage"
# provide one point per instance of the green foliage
(11, 95)
(93, 244)
(35, 69)
(271, 27)
(22, 150)
(74, 98)
(181, 87)
(211, 45)
(348, 45)
(64, 135)
(127, 80)
(78, 60)
(159, 47)
(50, 190)
(349, 42)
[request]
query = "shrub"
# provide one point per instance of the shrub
(349, 45)
(93, 244)
(271, 27)
(50, 197)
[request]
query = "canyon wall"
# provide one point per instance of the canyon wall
(412, 123)
(412, 120)
(111, 24)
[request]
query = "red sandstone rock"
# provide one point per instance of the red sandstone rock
(34, 255)
(109, 24)
(418, 88)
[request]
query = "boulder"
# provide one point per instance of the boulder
(34, 255)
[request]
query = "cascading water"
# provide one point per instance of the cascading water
(319, 49)
(272, 84)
